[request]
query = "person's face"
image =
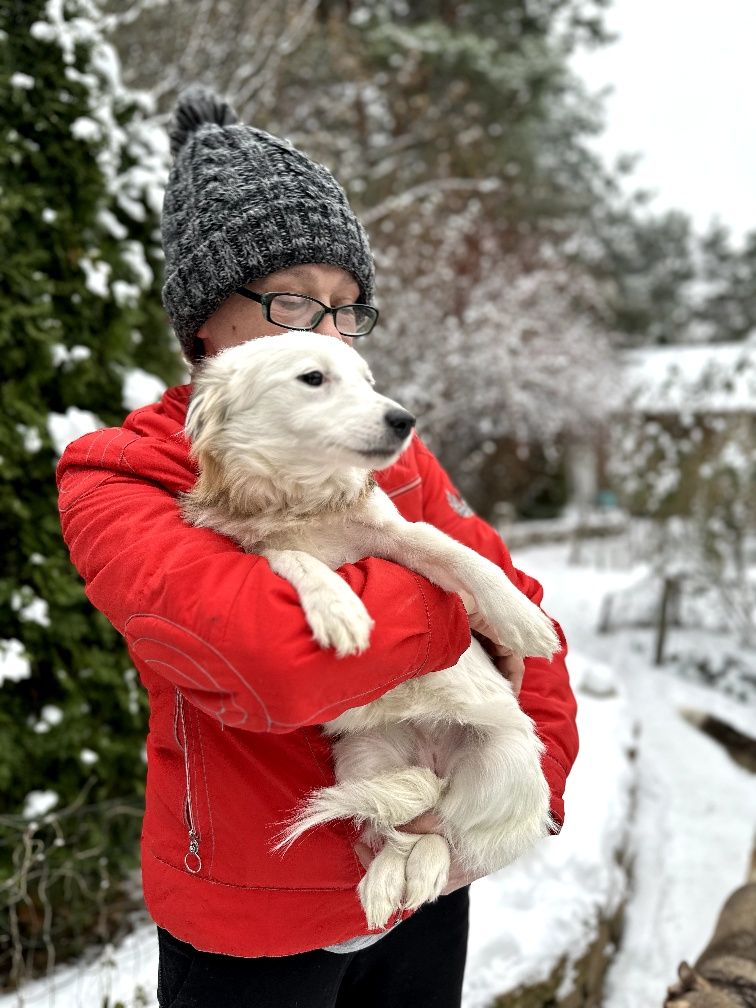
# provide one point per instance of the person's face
(238, 319)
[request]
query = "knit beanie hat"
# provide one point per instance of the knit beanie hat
(240, 204)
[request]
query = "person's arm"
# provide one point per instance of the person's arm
(218, 623)
(545, 695)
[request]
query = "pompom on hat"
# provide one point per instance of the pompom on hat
(240, 204)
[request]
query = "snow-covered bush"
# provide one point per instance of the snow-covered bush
(81, 168)
(683, 453)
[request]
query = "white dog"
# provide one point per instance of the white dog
(286, 430)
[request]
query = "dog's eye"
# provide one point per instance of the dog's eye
(312, 378)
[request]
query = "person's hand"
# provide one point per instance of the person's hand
(428, 822)
(511, 666)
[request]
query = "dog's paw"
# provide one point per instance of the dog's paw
(426, 871)
(534, 633)
(340, 620)
(381, 890)
(516, 622)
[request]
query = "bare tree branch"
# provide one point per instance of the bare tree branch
(399, 202)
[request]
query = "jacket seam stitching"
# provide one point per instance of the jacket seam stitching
(554, 759)
(63, 508)
(271, 721)
(317, 762)
(400, 677)
(428, 620)
(220, 695)
(231, 885)
(229, 665)
(122, 456)
(104, 451)
(405, 487)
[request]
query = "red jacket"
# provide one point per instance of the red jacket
(238, 686)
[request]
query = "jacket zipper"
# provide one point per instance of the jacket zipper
(192, 860)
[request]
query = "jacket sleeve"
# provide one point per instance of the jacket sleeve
(217, 622)
(546, 695)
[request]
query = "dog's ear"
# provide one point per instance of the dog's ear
(208, 407)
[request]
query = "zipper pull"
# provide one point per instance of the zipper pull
(192, 860)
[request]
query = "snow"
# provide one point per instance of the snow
(133, 157)
(125, 293)
(22, 81)
(86, 129)
(692, 839)
(51, 714)
(140, 388)
(111, 223)
(31, 438)
(30, 608)
(132, 253)
(65, 356)
(38, 803)
(690, 831)
(66, 427)
(14, 664)
(544, 908)
(715, 378)
(96, 273)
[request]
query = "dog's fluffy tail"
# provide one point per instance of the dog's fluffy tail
(387, 799)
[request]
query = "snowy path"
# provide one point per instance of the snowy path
(693, 828)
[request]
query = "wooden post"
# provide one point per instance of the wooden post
(661, 626)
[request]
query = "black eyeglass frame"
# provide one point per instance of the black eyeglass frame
(265, 300)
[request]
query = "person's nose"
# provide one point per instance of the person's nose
(327, 327)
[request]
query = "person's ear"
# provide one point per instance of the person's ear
(204, 340)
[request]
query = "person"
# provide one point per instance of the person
(258, 238)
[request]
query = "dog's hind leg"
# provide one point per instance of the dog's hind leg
(411, 869)
(496, 806)
(427, 870)
(382, 888)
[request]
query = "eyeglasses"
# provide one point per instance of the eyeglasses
(297, 311)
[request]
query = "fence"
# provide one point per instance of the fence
(69, 881)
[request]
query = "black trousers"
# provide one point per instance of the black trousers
(419, 963)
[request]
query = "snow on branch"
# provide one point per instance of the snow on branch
(405, 199)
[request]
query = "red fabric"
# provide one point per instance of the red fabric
(238, 686)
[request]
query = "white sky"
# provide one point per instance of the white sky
(684, 78)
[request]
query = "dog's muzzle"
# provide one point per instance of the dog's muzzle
(399, 422)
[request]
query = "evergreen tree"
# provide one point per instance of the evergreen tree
(648, 265)
(80, 184)
(726, 309)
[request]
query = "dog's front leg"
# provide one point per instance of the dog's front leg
(516, 621)
(335, 614)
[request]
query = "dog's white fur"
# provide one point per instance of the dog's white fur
(285, 470)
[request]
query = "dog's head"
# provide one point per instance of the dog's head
(296, 405)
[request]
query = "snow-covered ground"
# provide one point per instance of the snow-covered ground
(690, 831)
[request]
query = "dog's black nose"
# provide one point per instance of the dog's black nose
(400, 421)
